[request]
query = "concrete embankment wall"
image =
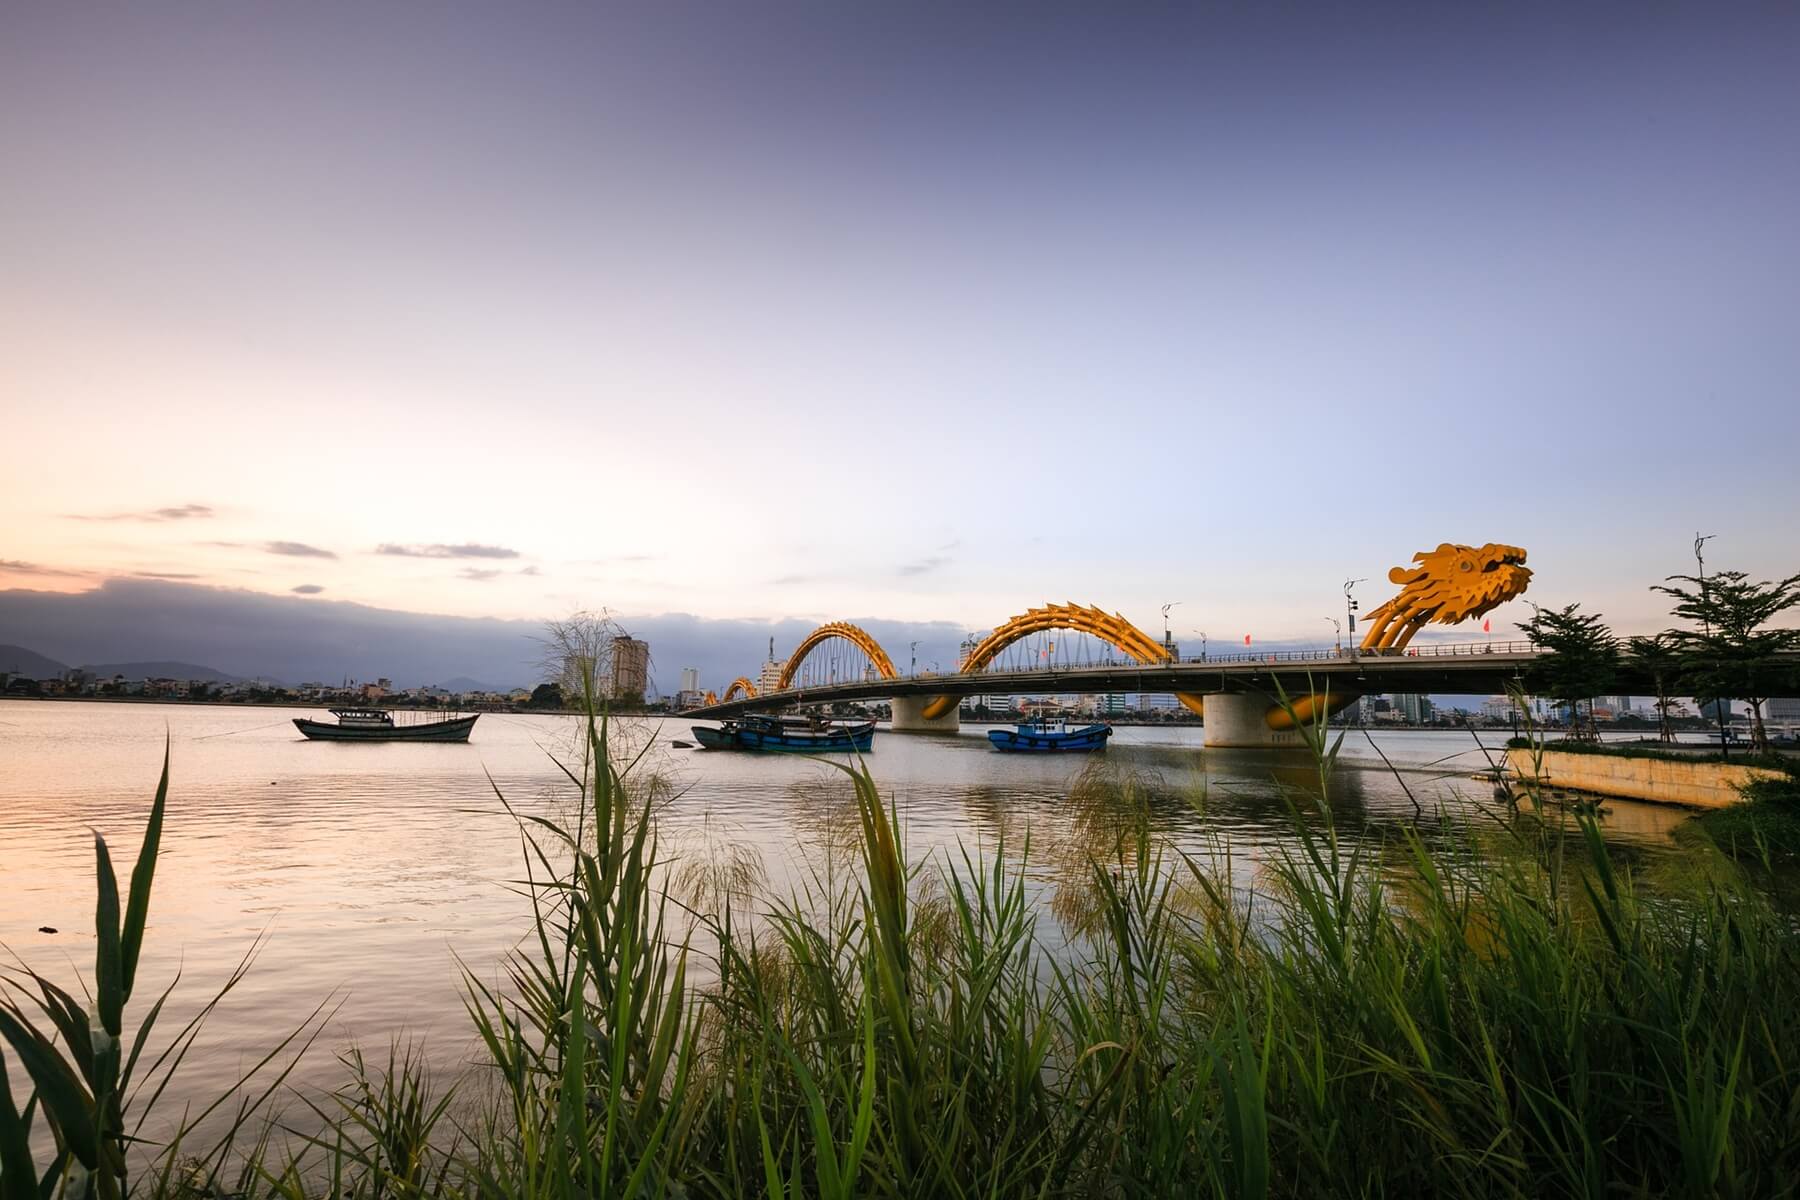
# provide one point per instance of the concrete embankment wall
(1659, 780)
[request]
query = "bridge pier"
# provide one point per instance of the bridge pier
(1241, 720)
(909, 717)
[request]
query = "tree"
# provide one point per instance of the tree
(1660, 658)
(1732, 656)
(1582, 660)
(546, 695)
(578, 655)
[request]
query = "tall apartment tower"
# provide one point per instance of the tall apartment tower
(630, 668)
(771, 672)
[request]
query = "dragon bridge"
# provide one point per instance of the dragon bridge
(1446, 586)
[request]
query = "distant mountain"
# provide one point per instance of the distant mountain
(160, 670)
(17, 660)
(462, 683)
(300, 638)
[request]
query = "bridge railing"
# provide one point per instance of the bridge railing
(1338, 653)
(1323, 656)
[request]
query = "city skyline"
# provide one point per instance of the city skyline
(919, 316)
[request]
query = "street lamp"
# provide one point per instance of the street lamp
(1168, 642)
(1350, 607)
(1339, 627)
(913, 669)
(1721, 706)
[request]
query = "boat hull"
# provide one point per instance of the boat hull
(1075, 741)
(456, 730)
(854, 739)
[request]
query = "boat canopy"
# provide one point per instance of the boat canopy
(362, 716)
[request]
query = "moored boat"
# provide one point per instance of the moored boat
(1050, 737)
(378, 725)
(792, 735)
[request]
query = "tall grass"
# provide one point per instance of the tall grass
(1452, 1013)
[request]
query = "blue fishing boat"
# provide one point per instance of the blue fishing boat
(1050, 737)
(791, 735)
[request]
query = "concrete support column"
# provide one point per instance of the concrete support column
(1242, 720)
(909, 717)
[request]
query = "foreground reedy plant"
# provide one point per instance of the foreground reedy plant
(93, 1086)
(1457, 1013)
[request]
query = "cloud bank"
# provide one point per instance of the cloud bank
(179, 512)
(441, 550)
(297, 550)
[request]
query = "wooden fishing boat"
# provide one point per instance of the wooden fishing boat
(1050, 737)
(378, 725)
(791, 735)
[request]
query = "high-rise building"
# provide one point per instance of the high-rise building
(770, 679)
(690, 679)
(1498, 708)
(1111, 705)
(1781, 708)
(630, 668)
(1415, 710)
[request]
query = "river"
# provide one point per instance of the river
(363, 873)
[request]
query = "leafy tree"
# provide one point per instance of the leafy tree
(1732, 656)
(1582, 660)
(1659, 657)
(546, 695)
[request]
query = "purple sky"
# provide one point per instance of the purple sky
(928, 314)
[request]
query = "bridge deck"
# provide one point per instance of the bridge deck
(1477, 668)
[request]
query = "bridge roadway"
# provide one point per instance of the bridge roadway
(1464, 668)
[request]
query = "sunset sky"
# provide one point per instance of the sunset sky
(924, 314)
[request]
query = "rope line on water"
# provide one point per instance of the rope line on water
(229, 732)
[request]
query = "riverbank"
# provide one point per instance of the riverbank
(1657, 778)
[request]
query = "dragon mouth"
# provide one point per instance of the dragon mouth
(1504, 556)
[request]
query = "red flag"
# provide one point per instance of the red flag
(1487, 626)
(1246, 639)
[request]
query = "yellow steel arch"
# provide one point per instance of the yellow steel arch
(845, 631)
(740, 686)
(1111, 627)
(711, 698)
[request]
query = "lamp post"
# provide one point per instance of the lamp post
(1350, 607)
(1338, 626)
(1168, 642)
(1720, 705)
(913, 667)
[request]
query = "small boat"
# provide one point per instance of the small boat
(793, 735)
(1050, 737)
(377, 725)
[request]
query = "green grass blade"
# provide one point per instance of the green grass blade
(18, 1175)
(137, 906)
(109, 980)
(63, 1098)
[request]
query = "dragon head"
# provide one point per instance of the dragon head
(1448, 585)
